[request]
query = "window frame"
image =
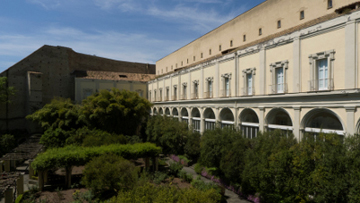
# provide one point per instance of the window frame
(284, 65)
(313, 67)
(278, 24)
(330, 4)
(302, 15)
(226, 91)
(245, 73)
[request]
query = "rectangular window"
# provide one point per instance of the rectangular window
(280, 80)
(219, 47)
(231, 43)
(260, 31)
(244, 38)
(175, 93)
(184, 92)
(167, 94)
(196, 90)
(227, 87)
(182, 63)
(209, 51)
(249, 83)
(202, 55)
(210, 89)
(160, 96)
(279, 24)
(194, 58)
(302, 15)
(322, 74)
(172, 67)
(187, 61)
(330, 4)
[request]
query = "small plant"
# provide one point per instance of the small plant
(159, 177)
(185, 176)
(59, 193)
(175, 168)
(202, 186)
(198, 168)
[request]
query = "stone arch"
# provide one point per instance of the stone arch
(161, 111)
(155, 111)
(195, 119)
(184, 115)
(226, 118)
(279, 118)
(167, 111)
(210, 119)
(249, 123)
(358, 127)
(322, 120)
(175, 112)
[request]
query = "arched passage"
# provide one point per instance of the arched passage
(161, 111)
(175, 113)
(155, 112)
(226, 118)
(196, 118)
(185, 115)
(167, 112)
(279, 119)
(210, 119)
(322, 121)
(249, 123)
(358, 128)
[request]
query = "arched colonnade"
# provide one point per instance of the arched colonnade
(252, 120)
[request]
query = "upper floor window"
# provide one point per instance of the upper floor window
(172, 67)
(260, 31)
(279, 70)
(321, 66)
(248, 76)
(231, 43)
(219, 47)
(202, 55)
(154, 95)
(209, 87)
(226, 84)
(330, 4)
(279, 24)
(161, 70)
(184, 90)
(150, 95)
(302, 15)
(175, 93)
(176, 66)
(167, 94)
(182, 63)
(244, 38)
(187, 61)
(209, 51)
(160, 94)
(166, 69)
(194, 58)
(196, 89)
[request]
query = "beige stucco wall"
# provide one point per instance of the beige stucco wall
(227, 67)
(245, 62)
(288, 11)
(277, 54)
(334, 40)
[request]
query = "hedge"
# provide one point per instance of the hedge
(77, 156)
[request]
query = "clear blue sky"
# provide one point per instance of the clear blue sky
(129, 30)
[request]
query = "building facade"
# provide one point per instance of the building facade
(301, 77)
(54, 71)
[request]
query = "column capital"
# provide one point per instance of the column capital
(262, 108)
(350, 108)
(297, 108)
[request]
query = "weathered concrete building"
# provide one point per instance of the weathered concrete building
(292, 65)
(52, 72)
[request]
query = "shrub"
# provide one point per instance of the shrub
(169, 134)
(7, 143)
(202, 186)
(268, 167)
(352, 144)
(54, 138)
(185, 176)
(198, 168)
(151, 193)
(213, 145)
(192, 147)
(175, 168)
(109, 173)
(159, 177)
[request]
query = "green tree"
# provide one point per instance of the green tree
(5, 91)
(59, 113)
(7, 143)
(109, 173)
(115, 111)
(168, 133)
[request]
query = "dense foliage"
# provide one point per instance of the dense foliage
(109, 173)
(115, 111)
(168, 133)
(192, 146)
(5, 91)
(149, 193)
(59, 113)
(7, 143)
(77, 156)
